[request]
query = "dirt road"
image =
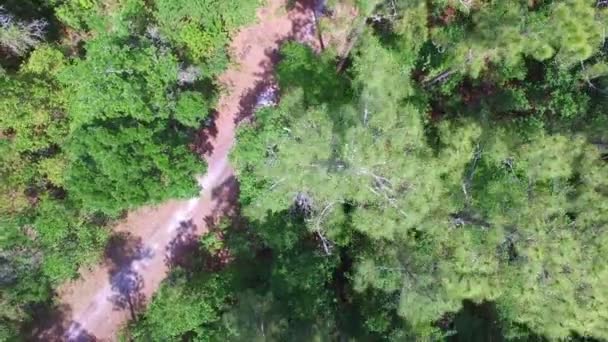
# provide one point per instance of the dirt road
(138, 258)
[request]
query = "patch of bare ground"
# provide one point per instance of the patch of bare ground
(336, 24)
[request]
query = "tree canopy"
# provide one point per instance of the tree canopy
(451, 172)
(98, 111)
(444, 179)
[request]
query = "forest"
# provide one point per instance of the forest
(444, 178)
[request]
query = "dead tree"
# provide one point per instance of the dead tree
(302, 205)
(318, 228)
(462, 218)
(17, 36)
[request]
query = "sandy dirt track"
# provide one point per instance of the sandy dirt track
(139, 256)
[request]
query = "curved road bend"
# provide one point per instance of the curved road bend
(95, 306)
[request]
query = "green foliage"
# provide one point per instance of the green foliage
(91, 124)
(79, 14)
(300, 68)
(202, 28)
(124, 164)
(255, 318)
(190, 109)
(123, 151)
(560, 95)
(68, 239)
(503, 33)
(489, 203)
(45, 60)
(185, 306)
(35, 124)
(450, 180)
(117, 80)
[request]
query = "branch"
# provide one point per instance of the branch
(467, 182)
(439, 78)
(463, 217)
(381, 181)
(327, 244)
(588, 80)
(351, 41)
(391, 201)
(466, 4)
(275, 184)
(599, 144)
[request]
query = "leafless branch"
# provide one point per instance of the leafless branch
(327, 244)
(466, 4)
(391, 201)
(18, 36)
(469, 179)
(590, 84)
(439, 78)
(275, 184)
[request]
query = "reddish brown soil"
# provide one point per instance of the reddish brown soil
(138, 257)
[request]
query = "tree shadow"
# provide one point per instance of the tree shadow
(303, 22)
(127, 285)
(121, 253)
(250, 99)
(53, 323)
(227, 211)
(474, 322)
(202, 144)
(302, 30)
(317, 71)
(76, 333)
(183, 250)
(226, 196)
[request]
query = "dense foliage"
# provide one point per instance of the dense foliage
(450, 181)
(445, 179)
(99, 104)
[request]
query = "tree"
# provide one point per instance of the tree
(18, 36)
(202, 28)
(191, 107)
(92, 123)
(39, 122)
(185, 306)
(118, 80)
(444, 179)
(465, 209)
(504, 34)
(124, 163)
(300, 68)
(124, 150)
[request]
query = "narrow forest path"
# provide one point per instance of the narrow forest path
(147, 241)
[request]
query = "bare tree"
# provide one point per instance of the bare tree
(302, 205)
(188, 75)
(17, 36)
